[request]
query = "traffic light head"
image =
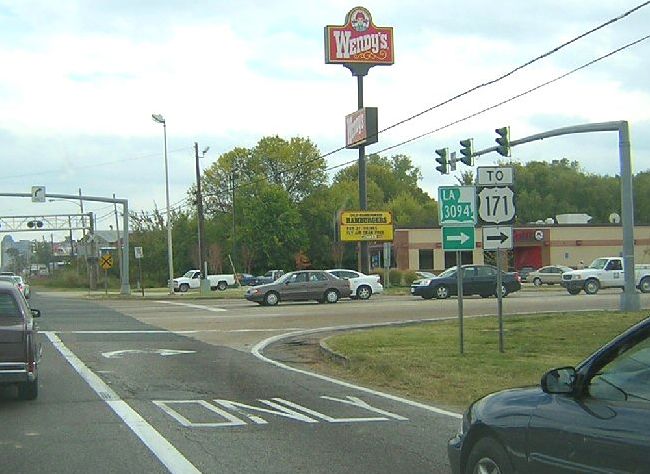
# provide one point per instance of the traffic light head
(503, 141)
(467, 151)
(443, 159)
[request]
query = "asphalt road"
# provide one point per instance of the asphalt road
(183, 385)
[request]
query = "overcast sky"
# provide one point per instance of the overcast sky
(80, 80)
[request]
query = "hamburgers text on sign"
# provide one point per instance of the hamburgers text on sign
(357, 226)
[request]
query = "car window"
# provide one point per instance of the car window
(298, 278)
(8, 306)
(317, 277)
(469, 272)
(486, 272)
(627, 377)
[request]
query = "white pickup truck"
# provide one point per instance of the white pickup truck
(605, 272)
(192, 279)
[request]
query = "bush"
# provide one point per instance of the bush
(395, 277)
(409, 277)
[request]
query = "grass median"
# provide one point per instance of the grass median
(423, 361)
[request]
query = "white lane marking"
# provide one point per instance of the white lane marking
(160, 352)
(190, 305)
(166, 453)
(257, 349)
(188, 331)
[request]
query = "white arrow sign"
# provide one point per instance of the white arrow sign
(161, 352)
(462, 238)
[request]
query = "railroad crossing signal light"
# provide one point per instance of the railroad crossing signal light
(37, 224)
(443, 159)
(467, 151)
(504, 141)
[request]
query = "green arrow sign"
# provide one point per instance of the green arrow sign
(457, 205)
(458, 238)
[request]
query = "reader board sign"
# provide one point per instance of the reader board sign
(361, 128)
(358, 226)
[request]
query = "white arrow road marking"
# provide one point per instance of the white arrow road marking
(190, 305)
(173, 460)
(462, 238)
(162, 352)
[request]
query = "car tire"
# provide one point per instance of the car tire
(644, 285)
(441, 292)
(504, 291)
(28, 390)
(427, 296)
(222, 285)
(592, 286)
(331, 296)
(184, 288)
(573, 291)
(271, 298)
(485, 295)
(537, 281)
(488, 455)
(364, 292)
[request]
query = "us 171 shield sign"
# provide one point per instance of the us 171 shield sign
(496, 205)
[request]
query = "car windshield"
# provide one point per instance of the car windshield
(189, 274)
(426, 274)
(599, 263)
(284, 277)
(449, 272)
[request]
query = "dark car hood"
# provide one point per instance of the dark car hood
(497, 407)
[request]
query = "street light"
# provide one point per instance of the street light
(170, 260)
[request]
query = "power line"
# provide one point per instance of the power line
(499, 104)
(475, 88)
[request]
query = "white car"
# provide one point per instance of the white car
(363, 286)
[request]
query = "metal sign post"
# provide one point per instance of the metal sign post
(459, 285)
(500, 300)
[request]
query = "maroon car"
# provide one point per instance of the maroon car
(20, 349)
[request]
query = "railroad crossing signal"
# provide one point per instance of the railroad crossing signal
(106, 261)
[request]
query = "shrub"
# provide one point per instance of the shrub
(409, 277)
(395, 277)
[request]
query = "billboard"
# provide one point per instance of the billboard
(361, 128)
(357, 226)
(359, 41)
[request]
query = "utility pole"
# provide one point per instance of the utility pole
(118, 241)
(203, 264)
(234, 238)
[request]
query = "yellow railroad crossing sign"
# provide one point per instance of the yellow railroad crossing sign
(106, 261)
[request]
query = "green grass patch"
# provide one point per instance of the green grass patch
(424, 361)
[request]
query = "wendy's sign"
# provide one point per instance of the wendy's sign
(359, 41)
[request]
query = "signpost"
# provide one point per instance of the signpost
(496, 206)
(138, 256)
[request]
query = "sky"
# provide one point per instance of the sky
(81, 78)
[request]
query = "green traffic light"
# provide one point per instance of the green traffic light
(443, 159)
(467, 151)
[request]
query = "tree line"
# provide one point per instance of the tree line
(274, 206)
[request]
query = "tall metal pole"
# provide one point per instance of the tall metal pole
(500, 300)
(234, 235)
(459, 285)
(170, 257)
(205, 285)
(363, 194)
(118, 241)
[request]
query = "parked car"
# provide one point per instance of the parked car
(268, 277)
(477, 280)
(20, 348)
(362, 286)
(524, 272)
(592, 418)
(301, 285)
(548, 275)
(246, 279)
(22, 286)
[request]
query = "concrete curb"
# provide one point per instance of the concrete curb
(330, 354)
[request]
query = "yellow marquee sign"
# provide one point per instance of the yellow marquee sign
(356, 226)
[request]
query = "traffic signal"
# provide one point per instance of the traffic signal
(504, 141)
(37, 224)
(443, 159)
(467, 151)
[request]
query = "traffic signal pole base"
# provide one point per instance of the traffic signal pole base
(205, 287)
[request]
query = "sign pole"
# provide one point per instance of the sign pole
(499, 300)
(140, 282)
(105, 282)
(459, 285)
(363, 194)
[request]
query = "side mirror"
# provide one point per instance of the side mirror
(560, 380)
(36, 313)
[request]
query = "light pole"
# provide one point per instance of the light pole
(203, 265)
(170, 259)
